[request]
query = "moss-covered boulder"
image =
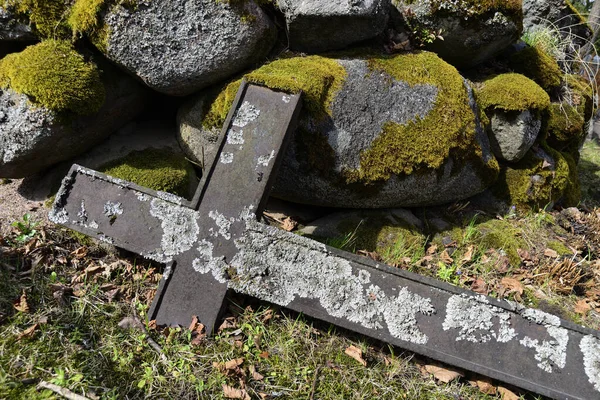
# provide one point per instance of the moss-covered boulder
(178, 47)
(538, 65)
(542, 178)
(319, 25)
(513, 104)
(55, 104)
(464, 32)
(373, 130)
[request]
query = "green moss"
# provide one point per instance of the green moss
(449, 129)
(581, 95)
(565, 129)
(532, 183)
(46, 16)
(471, 8)
(83, 16)
(502, 234)
(156, 169)
(539, 66)
(512, 92)
(560, 248)
(318, 78)
(572, 193)
(54, 75)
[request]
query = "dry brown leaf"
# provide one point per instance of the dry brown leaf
(479, 286)
(233, 364)
(80, 252)
(267, 316)
(356, 353)
(485, 386)
(229, 323)
(28, 333)
(443, 374)
(550, 253)
(468, 255)
(289, 224)
(507, 394)
(255, 375)
(512, 285)
(264, 354)
(582, 307)
(445, 257)
(233, 393)
(21, 304)
(432, 249)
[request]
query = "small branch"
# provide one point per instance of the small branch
(134, 322)
(314, 384)
(66, 393)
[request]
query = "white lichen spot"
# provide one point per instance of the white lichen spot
(552, 352)
(265, 160)
(82, 214)
(112, 209)
(226, 158)
(223, 223)
(58, 216)
(106, 239)
(279, 267)
(247, 213)
(286, 99)
(141, 196)
(590, 348)
(475, 319)
(180, 229)
(400, 316)
(245, 114)
(170, 197)
(167, 272)
(235, 137)
(206, 263)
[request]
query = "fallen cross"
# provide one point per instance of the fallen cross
(214, 243)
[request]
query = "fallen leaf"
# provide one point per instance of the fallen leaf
(512, 285)
(80, 252)
(28, 333)
(264, 354)
(507, 394)
(255, 375)
(152, 324)
(443, 374)
(550, 253)
(432, 249)
(289, 224)
(356, 353)
(21, 304)
(546, 164)
(228, 323)
(479, 286)
(233, 393)
(468, 255)
(485, 386)
(267, 316)
(371, 254)
(445, 257)
(582, 307)
(233, 364)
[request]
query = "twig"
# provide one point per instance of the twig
(314, 384)
(134, 322)
(66, 393)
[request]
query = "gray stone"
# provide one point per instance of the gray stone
(320, 25)
(336, 225)
(178, 47)
(560, 18)
(366, 102)
(32, 137)
(470, 37)
(11, 29)
(513, 133)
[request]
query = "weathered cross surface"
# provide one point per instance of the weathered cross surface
(214, 243)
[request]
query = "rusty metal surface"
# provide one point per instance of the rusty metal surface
(220, 246)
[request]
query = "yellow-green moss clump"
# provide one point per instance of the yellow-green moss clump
(581, 94)
(448, 129)
(83, 16)
(512, 92)
(502, 235)
(536, 64)
(319, 78)
(46, 16)
(472, 7)
(52, 74)
(565, 127)
(533, 183)
(156, 169)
